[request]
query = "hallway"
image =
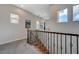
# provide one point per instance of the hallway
(55, 25)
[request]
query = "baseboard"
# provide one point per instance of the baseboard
(9, 41)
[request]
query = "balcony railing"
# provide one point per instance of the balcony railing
(56, 42)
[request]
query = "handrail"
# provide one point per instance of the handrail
(55, 32)
(49, 38)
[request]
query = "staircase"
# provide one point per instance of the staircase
(34, 41)
(40, 47)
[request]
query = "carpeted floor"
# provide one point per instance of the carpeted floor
(17, 47)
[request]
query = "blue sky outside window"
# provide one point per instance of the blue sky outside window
(62, 15)
(76, 13)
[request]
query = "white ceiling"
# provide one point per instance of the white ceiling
(41, 10)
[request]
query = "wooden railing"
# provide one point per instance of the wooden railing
(56, 42)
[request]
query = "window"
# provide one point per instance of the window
(76, 13)
(62, 15)
(14, 18)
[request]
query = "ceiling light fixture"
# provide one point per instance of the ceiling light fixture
(22, 5)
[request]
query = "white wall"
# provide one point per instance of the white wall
(11, 32)
(69, 27)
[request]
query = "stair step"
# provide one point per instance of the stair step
(40, 47)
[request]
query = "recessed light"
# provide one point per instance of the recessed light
(22, 5)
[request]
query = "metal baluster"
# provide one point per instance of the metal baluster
(77, 44)
(46, 40)
(57, 43)
(53, 43)
(70, 44)
(42, 37)
(61, 43)
(65, 45)
(30, 36)
(48, 43)
(27, 36)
